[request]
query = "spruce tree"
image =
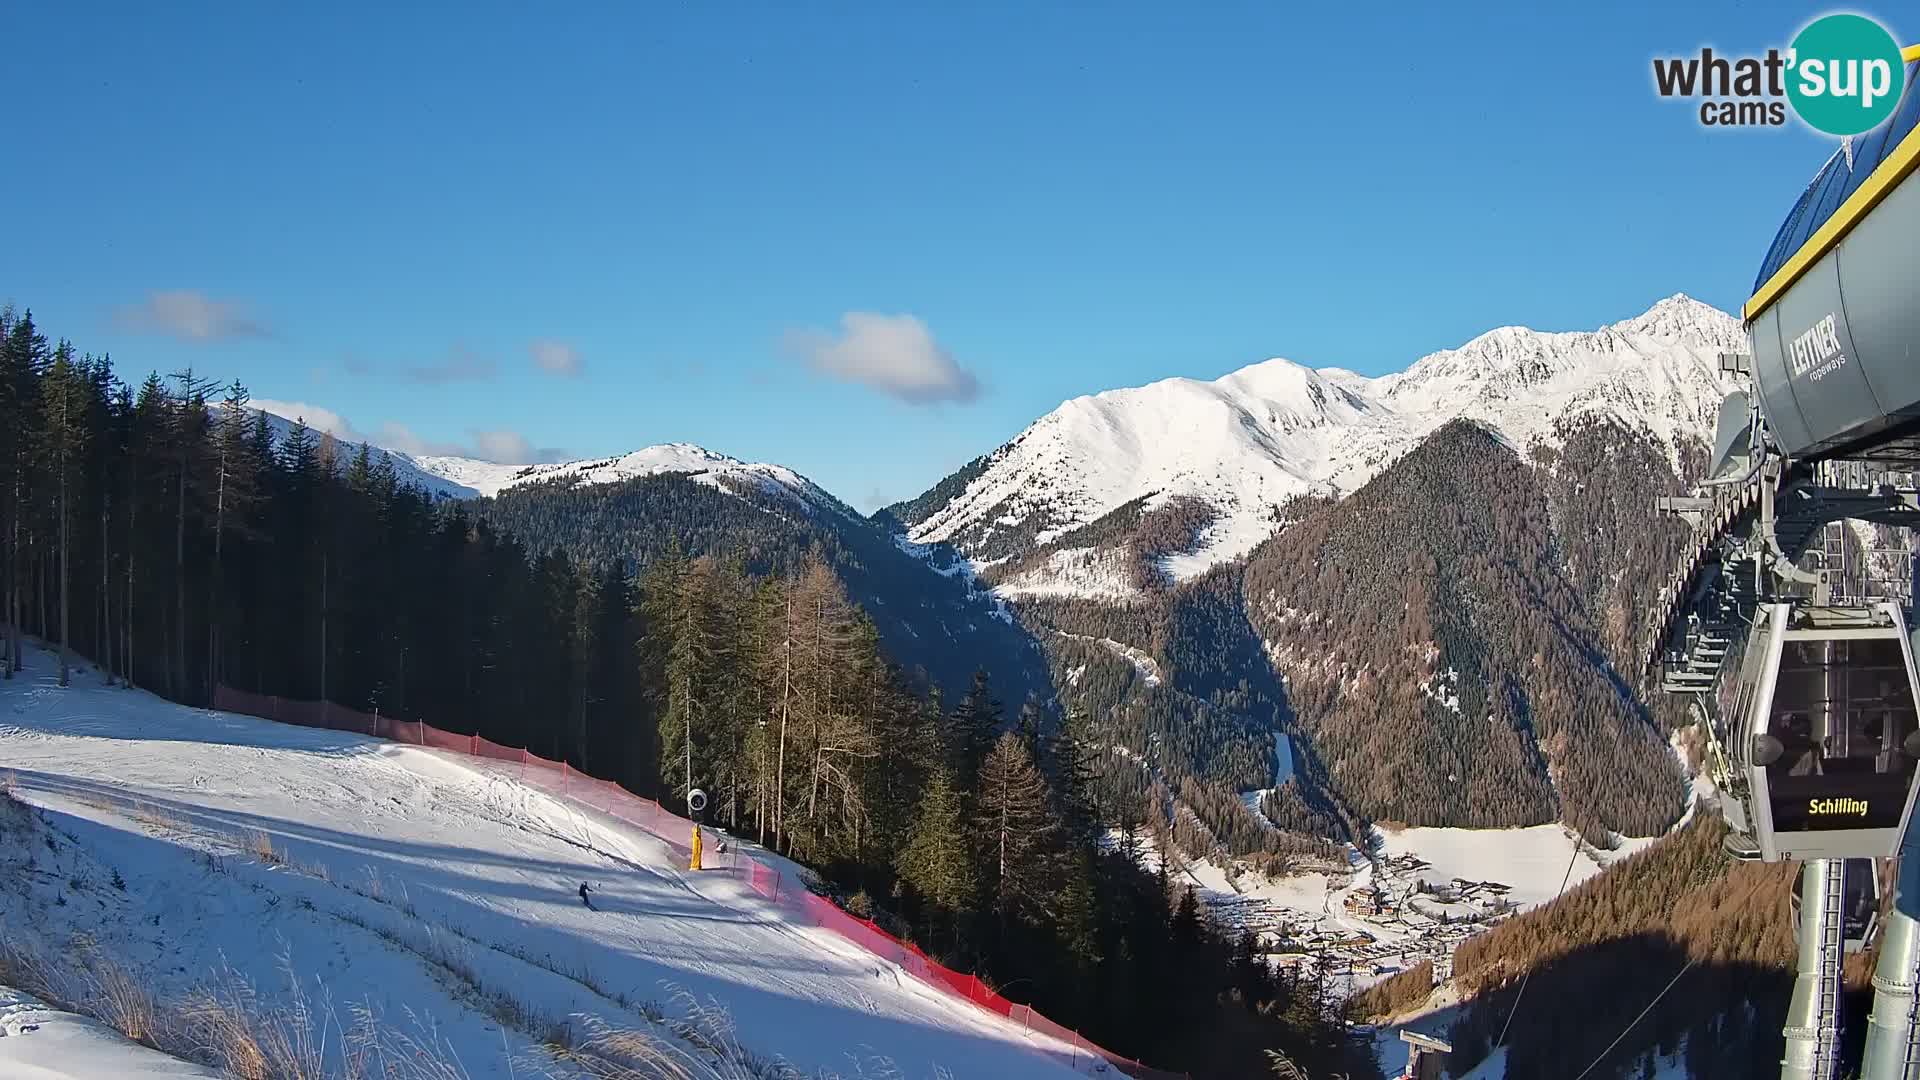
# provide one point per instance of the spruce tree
(972, 730)
(935, 860)
(1015, 832)
(62, 427)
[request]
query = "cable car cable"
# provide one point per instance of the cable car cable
(1635, 1020)
(1564, 878)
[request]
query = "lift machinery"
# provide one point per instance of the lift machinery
(1802, 678)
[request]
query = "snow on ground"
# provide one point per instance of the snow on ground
(394, 855)
(39, 1042)
(1391, 1051)
(1533, 861)
(1075, 571)
(1142, 662)
(1493, 1068)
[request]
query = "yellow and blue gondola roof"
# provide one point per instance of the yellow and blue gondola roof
(1844, 191)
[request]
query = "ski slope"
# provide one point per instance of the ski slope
(396, 855)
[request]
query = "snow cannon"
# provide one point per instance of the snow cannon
(1836, 307)
(697, 810)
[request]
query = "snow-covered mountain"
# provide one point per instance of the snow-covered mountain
(706, 466)
(405, 468)
(466, 478)
(1243, 444)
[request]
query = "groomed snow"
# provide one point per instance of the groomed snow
(429, 852)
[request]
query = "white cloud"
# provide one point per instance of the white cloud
(556, 357)
(191, 316)
(316, 417)
(505, 446)
(894, 354)
(502, 446)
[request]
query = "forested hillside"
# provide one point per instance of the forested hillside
(1602, 484)
(1442, 661)
(1680, 908)
(1179, 691)
(165, 532)
(931, 619)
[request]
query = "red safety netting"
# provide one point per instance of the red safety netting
(445, 740)
(487, 748)
(677, 832)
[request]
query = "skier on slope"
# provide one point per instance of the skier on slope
(583, 896)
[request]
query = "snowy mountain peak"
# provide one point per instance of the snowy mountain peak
(1680, 317)
(1309, 395)
(465, 478)
(703, 465)
(1247, 441)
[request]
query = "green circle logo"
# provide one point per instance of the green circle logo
(1846, 74)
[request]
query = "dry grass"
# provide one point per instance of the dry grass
(159, 820)
(14, 812)
(224, 1023)
(260, 846)
(123, 1004)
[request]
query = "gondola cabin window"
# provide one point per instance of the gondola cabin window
(1841, 710)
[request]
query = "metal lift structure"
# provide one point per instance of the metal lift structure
(1797, 664)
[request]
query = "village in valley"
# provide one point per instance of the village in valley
(1415, 896)
(1390, 913)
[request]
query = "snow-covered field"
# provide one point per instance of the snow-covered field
(423, 886)
(1533, 861)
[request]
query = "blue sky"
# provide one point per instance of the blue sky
(866, 241)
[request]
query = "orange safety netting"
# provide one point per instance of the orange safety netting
(562, 779)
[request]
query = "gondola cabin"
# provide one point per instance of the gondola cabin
(1828, 739)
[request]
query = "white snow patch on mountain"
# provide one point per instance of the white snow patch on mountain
(1246, 442)
(466, 478)
(705, 466)
(1075, 571)
(1143, 663)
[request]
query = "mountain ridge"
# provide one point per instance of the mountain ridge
(1249, 441)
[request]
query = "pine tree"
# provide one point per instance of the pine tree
(973, 729)
(235, 489)
(62, 426)
(22, 360)
(935, 860)
(1015, 832)
(1075, 780)
(189, 445)
(1186, 920)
